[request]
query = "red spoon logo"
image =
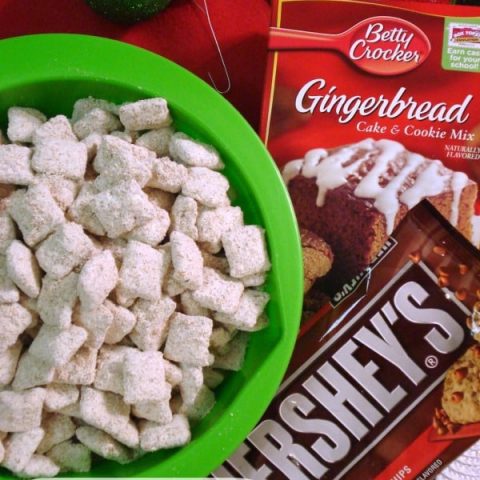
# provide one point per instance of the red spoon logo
(378, 45)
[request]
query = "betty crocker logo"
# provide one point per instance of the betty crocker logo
(378, 45)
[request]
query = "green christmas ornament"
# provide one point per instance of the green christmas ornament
(128, 11)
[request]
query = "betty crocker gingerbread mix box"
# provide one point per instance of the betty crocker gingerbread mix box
(372, 114)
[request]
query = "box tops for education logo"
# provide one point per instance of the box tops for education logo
(464, 35)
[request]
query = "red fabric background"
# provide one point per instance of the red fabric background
(180, 33)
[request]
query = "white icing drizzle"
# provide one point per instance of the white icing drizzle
(476, 230)
(291, 170)
(369, 186)
(429, 183)
(417, 177)
(312, 158)
(459, 182)
(329, 170)
(387, 200)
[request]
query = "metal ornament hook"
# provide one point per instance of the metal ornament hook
(205, 11)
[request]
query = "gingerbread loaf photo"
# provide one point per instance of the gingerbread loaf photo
(354, 196)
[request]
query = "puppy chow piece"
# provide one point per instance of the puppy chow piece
(21, 411)
(193, 153)
(187, 260)
(60, 395)
(31, 305)
(109, 376)
(156, 140)
(255, 280)
(173, 373)
(220, 337)
(8, 363)
(61, 157)
(143, 377)
(192, 381)
(97, 279)
(216, 262)
(82, 209)
(71, 457)
(141, 274)
(96, 120)
(212, 378)
(58, 428)
(246, 251)
(104, 445)
(56, 128)
(96, 321)
(57, 299)
(8, 291)
(57, 346)
(63, 190)
(224, 347)
(92, 142)
(207, 187)
(14, 320)
(35, 212)
(152, 324)
(235, 354)
(64, 250)
(204, 402)
(123, 135)
(116, 247)
(123, 300)
(34, 327)
(122, 208)
(73, 411)
(252, 304)
(218, 292)
(145, 114)
(108, 412)
(84, 105)
(191, 307)
(184, 216)
(22, 122)
(211, 248)
(188, 340)
(262, 322)
(167, 175)
(160, 198)
(173, 287)
(7, 231)
(122, 324)
(19, 448)
(174, 434)
(110, 147)
(32, 372)
(154, 231)
(40, 466)
(212, 224)
(15, 165)
(119, 161)
(80, 370)
(158, 411)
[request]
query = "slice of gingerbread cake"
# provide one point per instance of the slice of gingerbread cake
(355, 195)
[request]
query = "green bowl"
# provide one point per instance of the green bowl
(50, 72)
